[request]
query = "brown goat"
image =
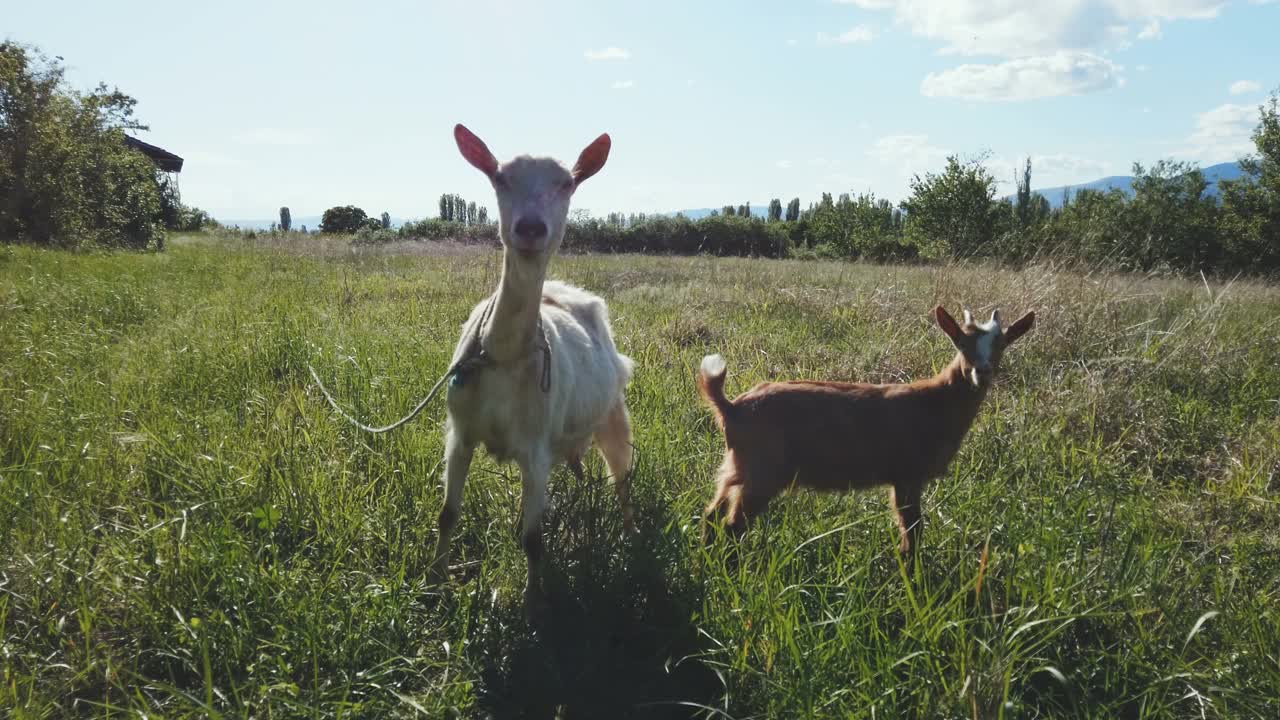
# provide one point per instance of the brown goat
(843, 436)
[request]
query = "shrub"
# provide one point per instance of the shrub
(1251, 205)
(436, 229)
(343, 219)
(374, 236)
(951, 213)
(176, 216)
(66, 176)
(715, 235)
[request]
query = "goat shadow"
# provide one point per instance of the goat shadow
(614, 637)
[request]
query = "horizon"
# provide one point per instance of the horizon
(707, 106)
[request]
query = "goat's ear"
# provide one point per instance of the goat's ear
(475, 151)
(1019, 328)
(948, 325)
(592, 159)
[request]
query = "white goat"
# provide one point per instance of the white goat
(539, 373)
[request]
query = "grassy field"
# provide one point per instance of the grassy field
(186, 529)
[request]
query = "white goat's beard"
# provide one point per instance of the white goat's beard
(973, 375)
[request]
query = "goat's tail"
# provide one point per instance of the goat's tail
(711, 385)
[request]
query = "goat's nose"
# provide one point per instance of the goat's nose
(530, 228)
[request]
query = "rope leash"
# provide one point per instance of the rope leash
(386, 428)
(471, 361)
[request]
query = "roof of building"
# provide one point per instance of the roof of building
(163, 159)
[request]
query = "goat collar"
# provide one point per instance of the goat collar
(477, 358)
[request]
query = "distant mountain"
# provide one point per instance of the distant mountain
(1124, 183)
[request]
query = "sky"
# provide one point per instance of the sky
(708, 102)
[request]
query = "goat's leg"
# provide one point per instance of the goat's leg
(906, 501)
(735, 513)
(738, 496)
(728, 486)
(614, 441)
(578, 470)
(457, 461)
(755, 482)
(744, 504)
(715, 510)
(534, 472)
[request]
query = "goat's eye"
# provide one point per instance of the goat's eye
(567, 186)
(499, 180)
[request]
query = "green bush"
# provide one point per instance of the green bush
(343, 219)
(857, 228)
(714, 235)
(178, 217)
(1250, 218)
(374, 236)
(66, 176)
(436, 229)
(952, 213)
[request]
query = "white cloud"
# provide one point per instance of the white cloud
(1222, 134)
(609, 53)
(1243, 87)
(857, 34)
(784, 164)
(907, 153)
(1048, 170)
(1064, 164)
(623, 84)
(278, 136)
(1061, 44)
(1062, 73)
(1142, 68)
(1037, 27)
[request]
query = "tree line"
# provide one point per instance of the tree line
(68, 179)
(1169, 220)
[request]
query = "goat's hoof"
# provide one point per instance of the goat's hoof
(708, 532)
(909, 560)
(535, 602)
(438, 574)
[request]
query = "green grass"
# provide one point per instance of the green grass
(186, 530)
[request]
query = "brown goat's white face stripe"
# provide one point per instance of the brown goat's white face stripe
(991, 331)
